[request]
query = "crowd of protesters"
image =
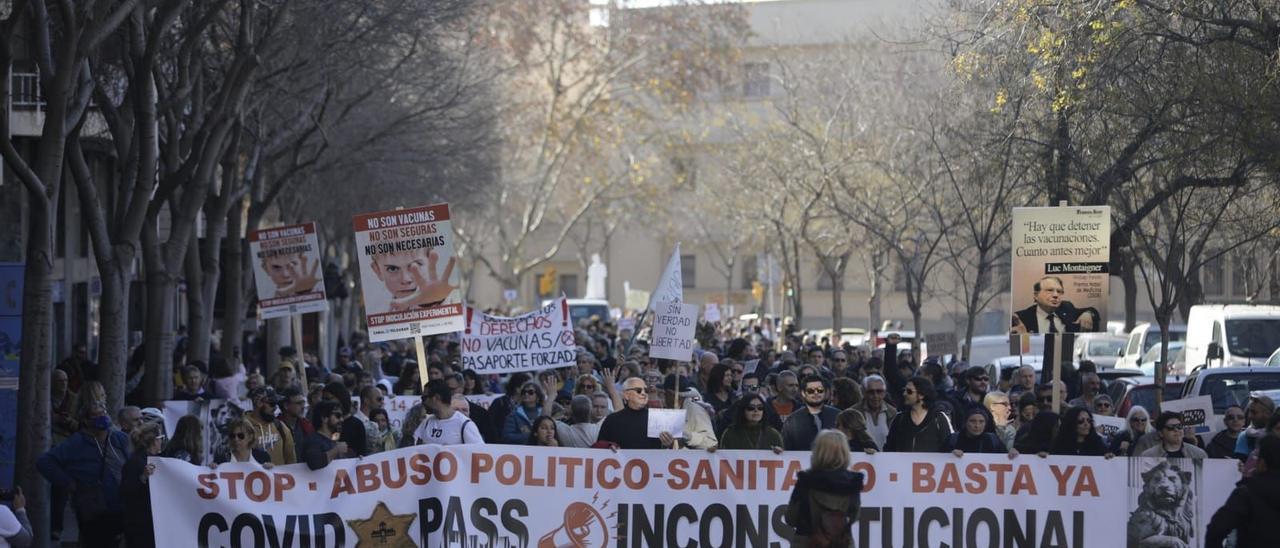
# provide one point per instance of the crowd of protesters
(745, 388)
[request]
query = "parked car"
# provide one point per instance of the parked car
(1127, 392)
(584, 309)
(1102, 349)
(987, 348)
(1274, 360)
(1226, 335)
(851, 335)
(1149, 360)
(1142, 338)
(1230, 385)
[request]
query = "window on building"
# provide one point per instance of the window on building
(689, 271)
(1213, 276)
(569, 285)
(750, 271)
(899, 278)
(684, 171)
(755, 79)
(1243, 275)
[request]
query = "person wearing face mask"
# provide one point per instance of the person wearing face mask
(89, 465)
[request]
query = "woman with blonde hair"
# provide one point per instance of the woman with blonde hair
(243, 440)
(825, 500)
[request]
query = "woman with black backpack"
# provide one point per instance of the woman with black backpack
(825, 500)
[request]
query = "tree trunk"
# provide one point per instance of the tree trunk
(914, 297)
(209, 273)
(837, 305)
(160, 287)
(1129, 278)
(233, 304)
(975, 298)
(36, 373)
(113, 334)
(199, 314)
(797, 305)
(874, 297)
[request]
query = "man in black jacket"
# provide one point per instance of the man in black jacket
(628, 428)
(1253, 509)
(803, 425)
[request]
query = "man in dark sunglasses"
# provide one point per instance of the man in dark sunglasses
(803, 425)
(1172, 444)
(975, 384)
(628, 428)
(274, 436)
(1223, 444)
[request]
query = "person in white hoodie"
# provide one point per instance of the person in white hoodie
(699, 432)
(15, 529)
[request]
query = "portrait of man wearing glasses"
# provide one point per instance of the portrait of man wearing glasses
(628, 428)
(802, 426)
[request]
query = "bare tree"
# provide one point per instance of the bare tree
(61, 37)
(583, 107)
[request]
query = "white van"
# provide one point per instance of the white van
(1221, 335)
(987, 348)
(1142, 338)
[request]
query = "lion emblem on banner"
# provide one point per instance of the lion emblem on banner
(1165, 517)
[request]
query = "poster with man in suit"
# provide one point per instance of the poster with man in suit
(1060, 280)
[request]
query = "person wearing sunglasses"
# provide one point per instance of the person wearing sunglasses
(530, 404)
(1223, 444)
(920, 427)
(1137, 424)
(803, 425)
(975, 383)
(321, 447)
(1173, 439)
(1077, 436)
(628, 428)
(242, 444)
(749, 429)
(270, 434)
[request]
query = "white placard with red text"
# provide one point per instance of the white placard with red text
(542, 339)
(407, 274)
(287, 271)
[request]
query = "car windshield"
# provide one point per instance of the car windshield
(1153, 338)
(1105, 347)
(1253, 338)
(1145, 395)
(579, 312)
(1229, 389)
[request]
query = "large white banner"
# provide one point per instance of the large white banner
(286, 270)
(542, 339)
(1060, 265)
(407, 274)
(532, 496)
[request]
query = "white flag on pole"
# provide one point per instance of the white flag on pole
(670, 287)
